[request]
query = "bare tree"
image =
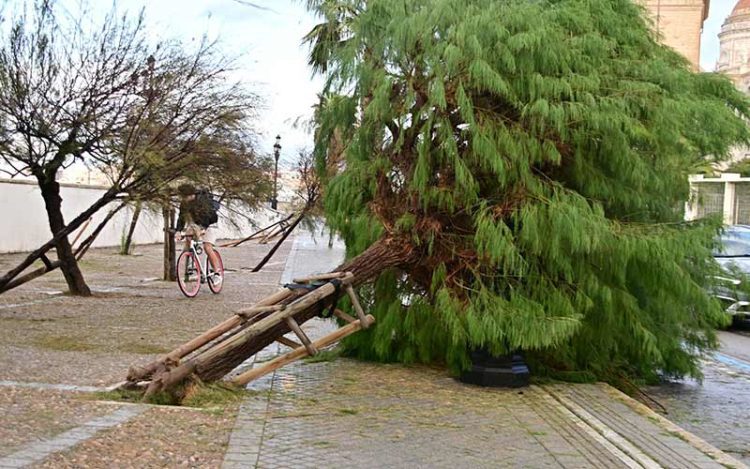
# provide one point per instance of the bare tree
(142, 113)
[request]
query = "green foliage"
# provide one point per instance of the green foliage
(536, 155)
(742, 167)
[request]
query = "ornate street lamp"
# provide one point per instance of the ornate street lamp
(276, 154)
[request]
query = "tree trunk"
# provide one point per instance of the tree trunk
(170, 263)
(106, 198)
(68, 262)
(384, 254)
(79, 253)
(125, 250)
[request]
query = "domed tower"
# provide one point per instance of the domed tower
(734, 40)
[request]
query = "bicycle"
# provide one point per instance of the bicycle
(192, 271)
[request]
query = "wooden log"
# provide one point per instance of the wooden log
(301, 336)
(169, 378)
(355, 303)
(139, 373)
(288, 342)
(300, 352)
(312, 278)
(342, 315)
(300, 304)
(260, 309)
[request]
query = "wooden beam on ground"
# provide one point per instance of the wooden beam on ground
(300, 352)
(138, 373)
(260, 309)
(168, 378)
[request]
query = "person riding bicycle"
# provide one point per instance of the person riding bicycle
(198, 217)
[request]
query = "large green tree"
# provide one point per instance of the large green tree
(524, 164)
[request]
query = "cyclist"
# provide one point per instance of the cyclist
(198, 217)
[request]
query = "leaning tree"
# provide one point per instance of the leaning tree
(142, 113)
(523, 165)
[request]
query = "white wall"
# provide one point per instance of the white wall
(24, 226)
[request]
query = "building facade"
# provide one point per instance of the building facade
(679, 23)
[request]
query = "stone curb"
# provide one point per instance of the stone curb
(716, 454)
(611, 435)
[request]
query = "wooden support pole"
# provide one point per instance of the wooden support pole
(237, 340)
(138, 373)
(45, 260)
(311, 350)
(300, 352)
(80, 231)
(342, 315)
(278, 243)
(252, 236)
(312, 278)
(355, 304)
(272, 234)
(288, 342)
(260, 309)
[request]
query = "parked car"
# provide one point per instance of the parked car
(733, 255)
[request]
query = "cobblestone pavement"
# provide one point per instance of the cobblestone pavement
(353, 414)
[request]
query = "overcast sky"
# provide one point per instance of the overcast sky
(266, 35)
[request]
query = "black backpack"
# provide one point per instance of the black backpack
(209, 207)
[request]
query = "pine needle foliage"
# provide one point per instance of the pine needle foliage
(535, 153)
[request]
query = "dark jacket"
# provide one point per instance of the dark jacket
(200, 211)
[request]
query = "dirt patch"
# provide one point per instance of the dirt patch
(30, 415)
(130, 319)
(161, 437)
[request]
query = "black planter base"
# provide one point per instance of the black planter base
(497, 372)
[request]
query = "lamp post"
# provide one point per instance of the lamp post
(276, 154)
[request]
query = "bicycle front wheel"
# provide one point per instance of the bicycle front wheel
(188, 274)
(216, 277)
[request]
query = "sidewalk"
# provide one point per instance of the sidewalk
(355, 414)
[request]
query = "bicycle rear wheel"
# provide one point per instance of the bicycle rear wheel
(188, 274)
(216, 283)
